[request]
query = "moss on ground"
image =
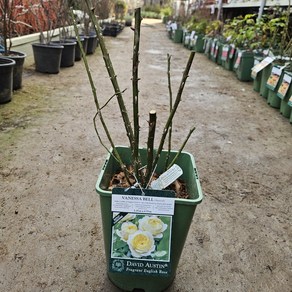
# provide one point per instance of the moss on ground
(26, 106)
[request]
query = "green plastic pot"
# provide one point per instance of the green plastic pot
(224, 55)
(229, 63)
(219, 47)
(243, 65)
(177, 35)
(183, 214)
(257, 80)
(186, 39)
(199, 43)
(273, 99)
(213, 52)
(285, 108)
(266, 72)
(207, 46)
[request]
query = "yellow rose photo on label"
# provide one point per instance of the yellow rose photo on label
(142, 237)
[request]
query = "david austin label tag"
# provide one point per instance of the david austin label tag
(141, 232)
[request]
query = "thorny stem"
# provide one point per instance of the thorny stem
(150, 144)
(115, 152)
(135, 79)
(181, 148)
(175, 106)
(112, 76)
(170, 108)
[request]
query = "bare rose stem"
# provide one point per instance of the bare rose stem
(150, 145)
(181, 148)
(175, 106)
(112, 75)
(99, 112)
(135, 79)
(170, 108)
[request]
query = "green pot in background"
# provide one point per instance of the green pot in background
(266, 72)
(285, 93)
(243, 65)
(199, 43)
(229, 63)
(273, 84)
(218, 52)
(177, 35)
(213, 51)
(258, 78)
(207, 46)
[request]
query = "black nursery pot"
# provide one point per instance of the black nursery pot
(68, 53)
(84, 42)
(6, 79)
(92, 44)
(47, 57)
(19, 58)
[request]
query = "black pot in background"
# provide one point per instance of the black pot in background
(84, 42)
(19, 58)
(92, 44)
(47, 57)
(68, 53)
(6, 79)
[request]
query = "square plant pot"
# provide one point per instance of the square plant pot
(184, 210)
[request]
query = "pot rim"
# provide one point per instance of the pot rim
(50, 45)
(9, 62)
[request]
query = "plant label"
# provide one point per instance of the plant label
(141, 232)
(225, 51)
(282, 91)
(260, 66)
(232, 51)
(238, 60)
(167, 178)
(274, 77)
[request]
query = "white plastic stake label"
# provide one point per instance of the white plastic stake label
(167, 178)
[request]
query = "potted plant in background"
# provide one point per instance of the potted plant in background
(120, 245)
(241, 31)
(65, 39)
(8, 28)
(271, 41)
(112, 27)
(214, 31)
(280, 28)
(47, 55)
(166, 12)
(86, 31)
